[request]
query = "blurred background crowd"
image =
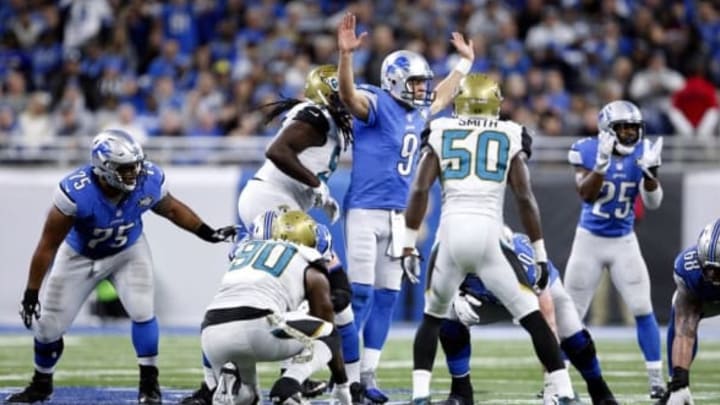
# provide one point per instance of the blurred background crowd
(69, 68)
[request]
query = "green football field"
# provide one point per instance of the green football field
(505, 371)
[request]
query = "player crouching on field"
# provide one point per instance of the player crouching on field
(254, 318)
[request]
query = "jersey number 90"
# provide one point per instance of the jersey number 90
(269, 257)
(491, 155)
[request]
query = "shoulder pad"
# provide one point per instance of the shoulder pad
(308, 253)
(314, 116)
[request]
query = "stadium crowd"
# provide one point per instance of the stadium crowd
(202, 68)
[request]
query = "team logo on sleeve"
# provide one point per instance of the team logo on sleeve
(145, 201)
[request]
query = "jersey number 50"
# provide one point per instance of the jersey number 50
(491, 155)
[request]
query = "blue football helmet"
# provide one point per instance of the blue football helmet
(261, 227)
(398, 69)
(708, 250)
(622, 113)
(118, 159)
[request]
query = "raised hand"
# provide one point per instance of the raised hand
(465, 49)
(324, 200)
(606, 145)
(347, 40)
(651, 157)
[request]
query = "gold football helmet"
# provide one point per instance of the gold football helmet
(295, 226)
(479, 95)
(321, 83)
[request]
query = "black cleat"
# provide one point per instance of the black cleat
(357, 393)
(201, 396)
(39, 389)
(657, 392)
(149, 389)
(313, 388)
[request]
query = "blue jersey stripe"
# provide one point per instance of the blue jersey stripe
(713, 242)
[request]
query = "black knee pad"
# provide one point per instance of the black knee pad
(333, 341)
(581, 355)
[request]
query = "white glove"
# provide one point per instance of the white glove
(324, 200)
(341, 394)
(652, 156)
(411, 266)
(606, 145)
(464, 310)
(681, 397)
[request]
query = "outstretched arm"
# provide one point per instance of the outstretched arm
(447, 88)
(356, 104)
(184, 217)
(428, 170)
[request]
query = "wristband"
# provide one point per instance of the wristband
(410, 237)
(206, 233)
(463, 66)
(540, 252)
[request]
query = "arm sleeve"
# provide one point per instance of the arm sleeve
(64, 202)
(526, 142)
(314, 117)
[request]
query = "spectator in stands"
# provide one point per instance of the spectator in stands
(69, 122)
(694, 110)
(8, 122)
(34, 123)
(651, 87)
(125, 121)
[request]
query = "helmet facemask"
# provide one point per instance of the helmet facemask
(118, 159)
(400, 75)
(708, 252)
(623, 120)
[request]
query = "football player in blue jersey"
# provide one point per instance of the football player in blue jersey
(696, 297)
(610, 171)
(477, 305)
(93, 232)
(387, 124)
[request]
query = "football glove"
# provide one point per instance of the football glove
(606, 145)
(323, 199)
(223, 234)
(542, 277)
(341, 394)
(30, 307)
(410, 264)
(651, 157)
(466, 308)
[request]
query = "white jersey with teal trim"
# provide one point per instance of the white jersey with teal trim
(474, 155)
(267, 274)
(321, 160)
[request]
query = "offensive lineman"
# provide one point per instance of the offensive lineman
(93, 232)
(610, 171)
(475, 155)
(253, 317)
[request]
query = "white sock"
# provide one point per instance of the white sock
(561, 380)
(421, 383)
(209, 378)
(370, 360)
(353, 371)
(653, 365)
(147, 361)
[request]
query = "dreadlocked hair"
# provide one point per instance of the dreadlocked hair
(278, 107)
(342, 118)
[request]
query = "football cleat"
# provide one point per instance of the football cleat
(568, 401)
(313, 388)
(149, 389)
(201, 396)
(228, 385)
(39, 389)
(657, 392)
(421, 401)
(372, 392)
(457, 400)
(357, 393)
